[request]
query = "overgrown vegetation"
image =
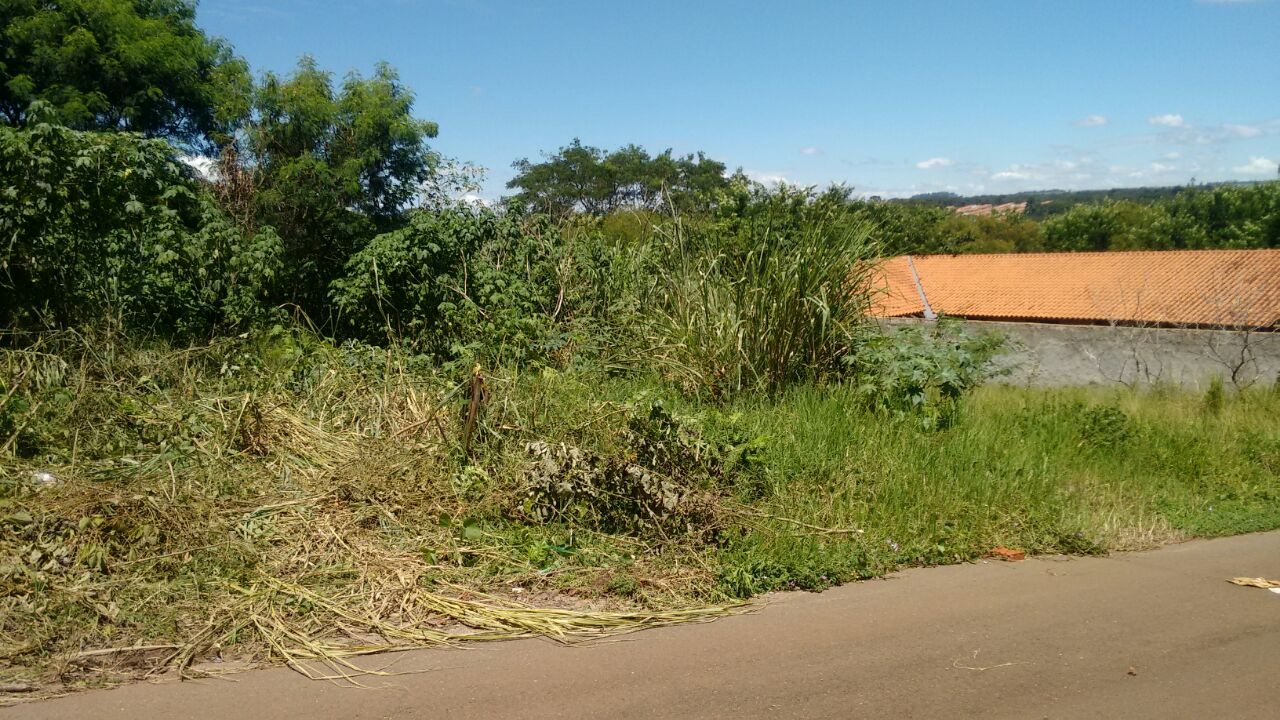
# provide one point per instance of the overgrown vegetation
(276, 495)
(308, 406)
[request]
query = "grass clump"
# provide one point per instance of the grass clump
(782, 303)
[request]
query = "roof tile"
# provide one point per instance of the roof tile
(1230, 288)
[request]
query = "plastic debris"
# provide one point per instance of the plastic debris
(43, 479)
(1010, 554)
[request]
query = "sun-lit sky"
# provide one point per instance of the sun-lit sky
(895, 97)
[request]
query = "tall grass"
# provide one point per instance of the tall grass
(1065, 470)
(783, 309)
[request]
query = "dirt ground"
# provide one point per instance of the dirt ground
(1146, 635)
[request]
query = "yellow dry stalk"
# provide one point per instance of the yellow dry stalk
(1255, 582)
(491, 617)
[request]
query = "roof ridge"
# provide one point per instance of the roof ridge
(1106, 253)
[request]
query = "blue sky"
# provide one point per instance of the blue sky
(891, 97)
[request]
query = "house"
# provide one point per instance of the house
(1177, 316)
(1015, 208)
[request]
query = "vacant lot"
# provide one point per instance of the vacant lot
(278, 497)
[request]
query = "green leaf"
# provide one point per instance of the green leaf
(22, 517)
(471, 529)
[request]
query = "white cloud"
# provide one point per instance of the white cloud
(1242, 131)
(1172, 155)
(765, 177)
(474, 200)
(1173, 120)
(1257, 166)
(935, 162)
(1215, 134)
(1092, 121)
(1062, 173)
(809, 151)
(1155, 168)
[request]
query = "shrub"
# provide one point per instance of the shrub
(459, 281)
(923, 369)
(111, 226)
(1104, 426)
(663, 480)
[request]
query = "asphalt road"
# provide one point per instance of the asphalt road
(1144, 635)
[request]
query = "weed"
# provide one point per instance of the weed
(1213, 397)
(1103, 426)
(923, 370)
(623, 585)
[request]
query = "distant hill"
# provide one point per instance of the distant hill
(1043, 203)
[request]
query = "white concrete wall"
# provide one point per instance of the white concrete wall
(1056, 355)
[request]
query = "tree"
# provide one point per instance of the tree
(135, 65)
(332, 168)
(1084, 228)
(1230, 216)
(581, 178)
(908, 228)
(573, 179)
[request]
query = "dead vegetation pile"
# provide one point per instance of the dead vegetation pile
(282, 499)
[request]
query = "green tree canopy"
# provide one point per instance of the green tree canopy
(588, 179)
(333, 167)
(137, 65)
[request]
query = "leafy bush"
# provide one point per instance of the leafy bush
(923, 369)
(460, 281)
(109, 226)
(333, 164)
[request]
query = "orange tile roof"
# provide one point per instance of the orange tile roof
(989, 209)
(1235, 288)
